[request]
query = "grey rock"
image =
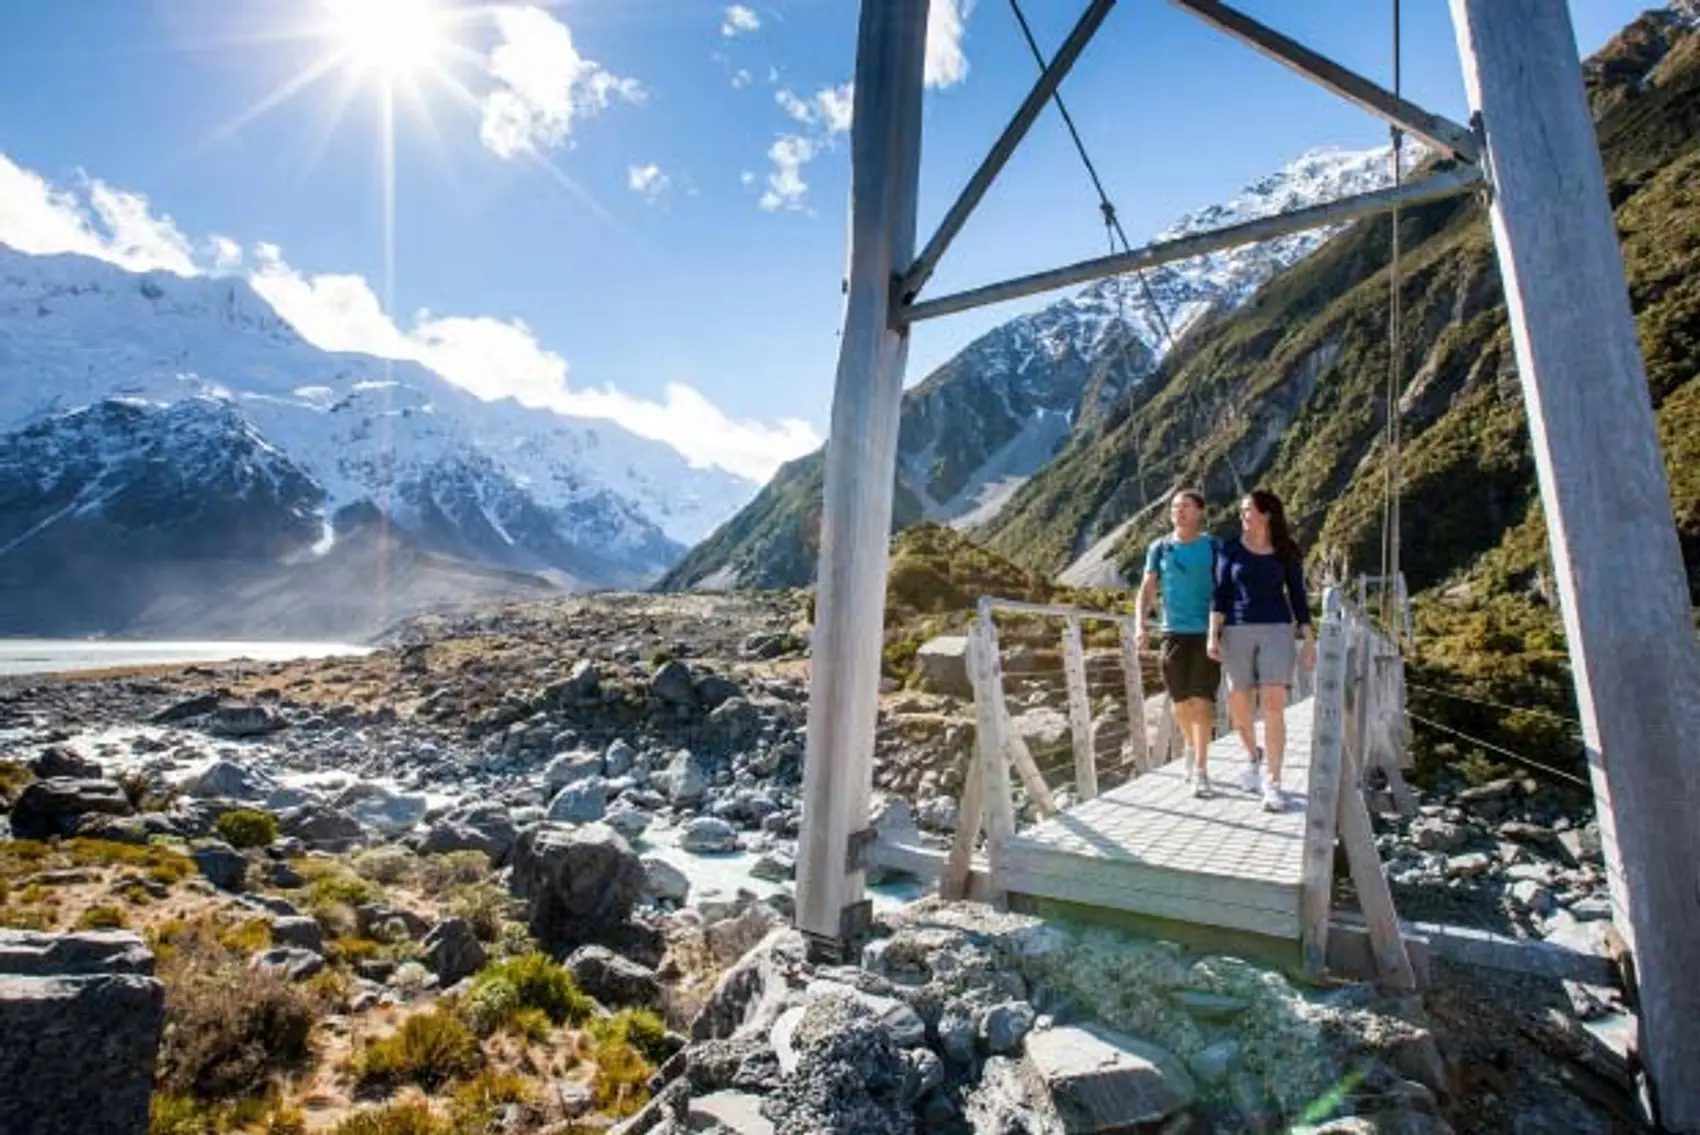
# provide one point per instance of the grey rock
(485, 827)
(287, 962)
(388, 923)
(80, 1022)
(58, 761)
(49, 808)
(714, 690)
(728, 1112)
(1468, 866)
(238, 720)
(570, 768)
(227, 780)
(672, 684)
(1590, 909)
(1397, 1122)
(849, 1075)
(579, 883)
(629, 822)
(1213, 1007)
(1532, 895)
(321, 827)
(1005, 1026)
(775, 867)
(1009, 1100)
(133, 830)
(380, 808)
(941, 666)
(1581, 846)
(1439, 835)
(197, 706)
(452, 951)
(684, 780)
(613, 980)
(223, 866)
(956, 1034)
(750, 996)
(583, 802)
(1214, 1063)
(734, 725)
(581, 684)
(662, 880)
(707, 835)
(1100, 1080)
(300, 932)
(618, 758)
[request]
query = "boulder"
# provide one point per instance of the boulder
(1005, 1026)
(383, 809)
(569, 768)
(48, 808)
(619, 758)
(580, 684)
(707, 835)
(227, 780)
(733, 725)
(288, 962)
(684, 780)
(849, 1075)
(1100, 1080)
(673, 685)
(452, 951)
(752, 994)
(662, 880)
(58, 761)
(222, 865)
(485, 827)
(941, 666)
(579, 883)
(583, 802)
(728, 1112)
(242, 720)
(197, 706)
(80, 1022)
(713, 690)
(628, 821)
(613, 980)
(298, 931)
(321, 827)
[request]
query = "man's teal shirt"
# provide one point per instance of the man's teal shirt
(1186, 574)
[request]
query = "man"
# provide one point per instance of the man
(1181, 565)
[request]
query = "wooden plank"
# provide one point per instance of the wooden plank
(1375, 898)
(1133, 681)
(1622, 588)
(916, 277)
(992, 717)
(1022, 607)
(1437, 130)
(1436, 187)
(1322, 799)
(1127, 876)
(1094, 890)
(1028, 769)
(970, 816)
(1079, 712)
(860, 465)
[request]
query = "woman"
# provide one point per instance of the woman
(1260, 595)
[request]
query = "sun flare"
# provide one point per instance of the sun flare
(394, 39)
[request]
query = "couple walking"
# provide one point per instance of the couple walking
(1230, 605)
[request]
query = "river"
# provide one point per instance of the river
(56, 656)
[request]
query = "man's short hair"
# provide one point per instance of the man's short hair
(1196, 496)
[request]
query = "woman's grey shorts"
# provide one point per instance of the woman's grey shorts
(1259, 654)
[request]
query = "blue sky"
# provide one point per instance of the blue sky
(633, 208)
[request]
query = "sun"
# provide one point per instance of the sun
(391, 39)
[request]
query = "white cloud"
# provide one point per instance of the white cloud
(785, 185)
(647, 181)
(947, 65)
(543, 84)
(835, 106)
(797, 108)
(747, 178)
(739, 21)
(741, 78)
(114, 225)
(488, 356)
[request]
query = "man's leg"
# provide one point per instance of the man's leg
(1198, 731)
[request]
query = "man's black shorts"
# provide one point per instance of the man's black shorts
(1188, 670)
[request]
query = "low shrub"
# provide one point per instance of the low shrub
(503, 989)
(429, 1050)
(640, 1028)
(485, 906)
(439, 874)
(386, 865)
(245, 829)
(14, 778)
(476, 1104)
(411, 1118)
(620, 1084)
(228, 1029)
(101, 918)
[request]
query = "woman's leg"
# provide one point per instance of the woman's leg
(1239, 708)
(1274, 700)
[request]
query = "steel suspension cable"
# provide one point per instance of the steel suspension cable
(1390, 510)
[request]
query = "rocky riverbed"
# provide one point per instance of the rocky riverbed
(628, 770)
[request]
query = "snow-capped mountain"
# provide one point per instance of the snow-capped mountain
(497, 483)
(975, 430)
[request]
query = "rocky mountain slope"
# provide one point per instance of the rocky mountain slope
(134, 387)
(977, 428)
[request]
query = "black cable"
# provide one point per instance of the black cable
(1506, 753)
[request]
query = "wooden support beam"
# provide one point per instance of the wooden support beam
(861, 459)
(1133, 681)
(1025, 115)
(1440, 132)
(1079, 712)
(970, 815)
(1622, 588)
(1437, 187)
(991, 724)
(1322, 806)
(1375, 897)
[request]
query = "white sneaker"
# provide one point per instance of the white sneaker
(1252, 778)
(1274, 800)
(1201, 785)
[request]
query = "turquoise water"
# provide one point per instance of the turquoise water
(54, 656)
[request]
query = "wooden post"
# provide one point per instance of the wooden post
(1621, 584)
(991, 721)
(861, 459)
(1322, 808)
(1079, 712)
(1133, 681)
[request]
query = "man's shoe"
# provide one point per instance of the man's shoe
(1274, 800)
(1252, 779)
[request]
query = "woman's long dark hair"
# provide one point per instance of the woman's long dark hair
(1280, 535)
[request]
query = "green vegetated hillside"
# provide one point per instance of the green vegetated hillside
(1289, 392)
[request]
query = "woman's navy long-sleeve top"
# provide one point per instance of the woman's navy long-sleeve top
(1259, 588)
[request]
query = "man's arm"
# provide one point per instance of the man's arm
(1147, 600)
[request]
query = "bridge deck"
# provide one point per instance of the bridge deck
(1150, 848)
